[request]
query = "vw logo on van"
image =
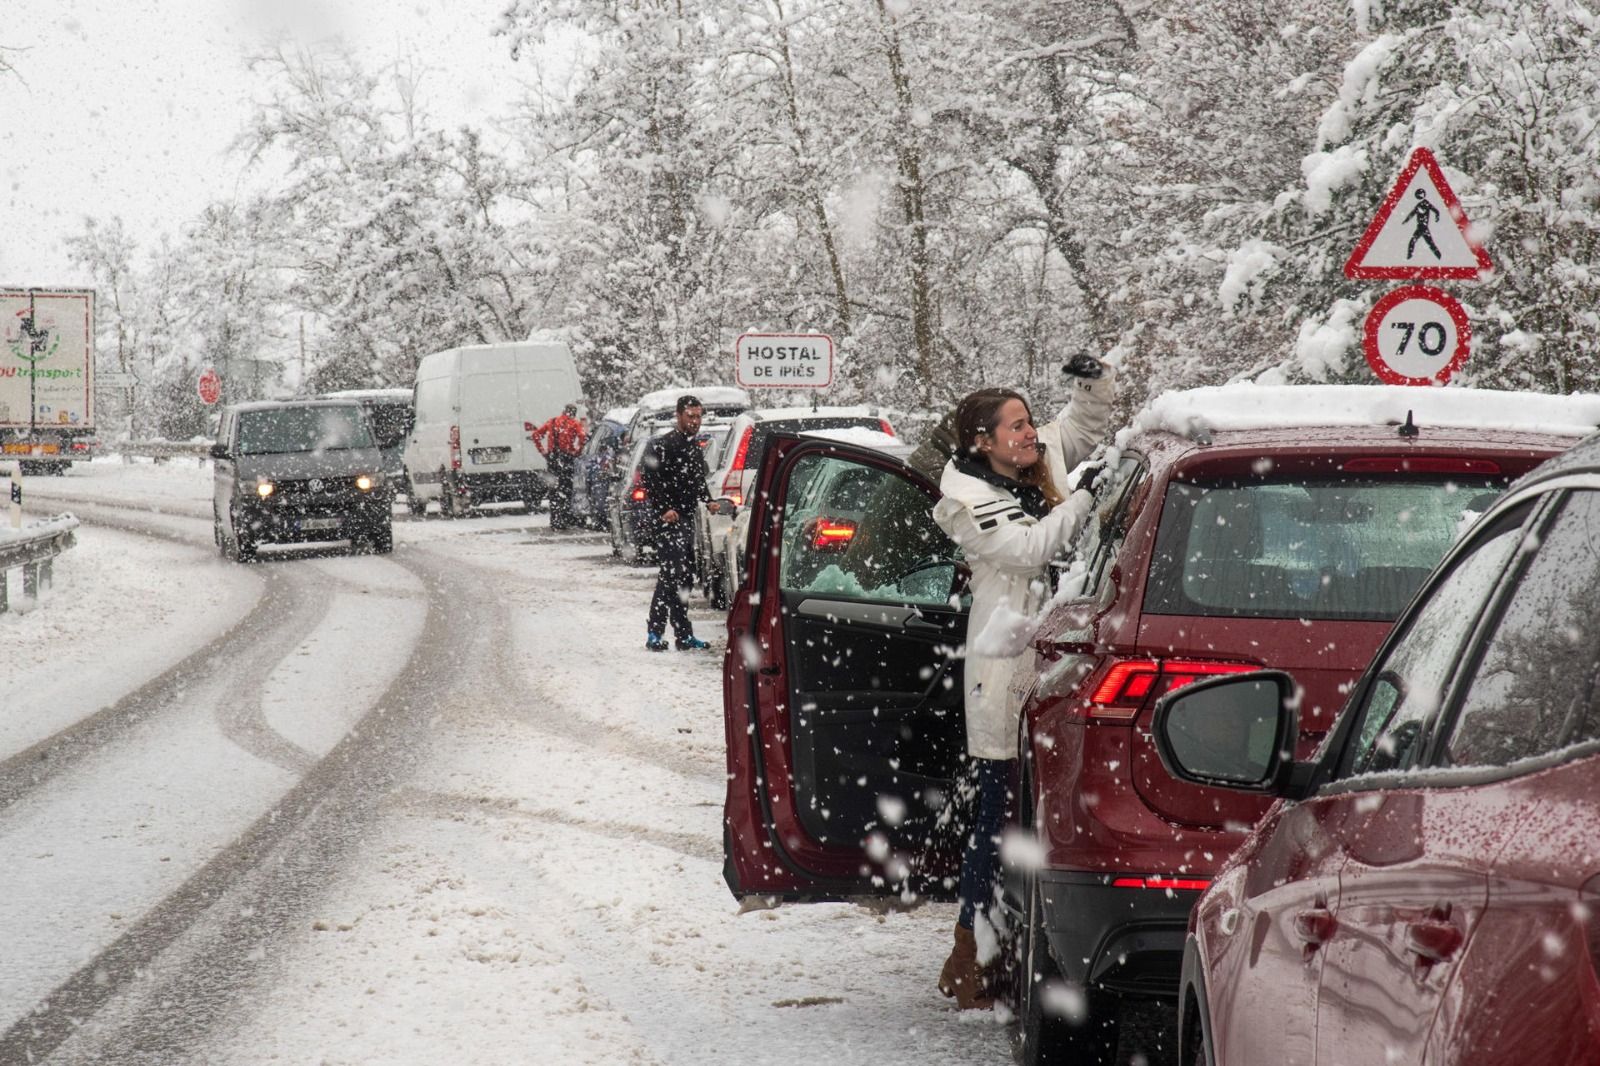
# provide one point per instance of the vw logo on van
(316, 484)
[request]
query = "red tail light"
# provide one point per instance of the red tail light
(1132, 683)
(887, 428)
(1419, 464)
(1177, 884)
(636, 491)
(733, 484)
(455, 447)
(832, 535)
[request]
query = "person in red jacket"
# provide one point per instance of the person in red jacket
(559, 441)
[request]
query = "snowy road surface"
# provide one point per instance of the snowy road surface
(439, 806)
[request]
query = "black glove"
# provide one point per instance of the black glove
(1090, 475)
(1083, 365)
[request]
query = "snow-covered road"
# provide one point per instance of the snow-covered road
(435, 807)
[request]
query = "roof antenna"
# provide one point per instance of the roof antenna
(1410, 428)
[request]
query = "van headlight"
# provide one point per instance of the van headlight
(265, 488)
(364, 482)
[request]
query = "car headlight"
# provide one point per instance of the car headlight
(265, 488)
(364, 482)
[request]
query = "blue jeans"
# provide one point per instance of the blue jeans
(980, 861)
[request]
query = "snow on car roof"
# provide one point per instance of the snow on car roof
(620, 415)
(1247, 406)
(861, 435)
(391, 395)
(856, 411)
(717, 394)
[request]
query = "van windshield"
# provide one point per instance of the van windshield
(279, 430)
(1305, 548)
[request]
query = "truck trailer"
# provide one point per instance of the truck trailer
(47, 416)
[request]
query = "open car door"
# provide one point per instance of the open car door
(842, 683)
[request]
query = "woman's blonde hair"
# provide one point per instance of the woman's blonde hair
(979, 413)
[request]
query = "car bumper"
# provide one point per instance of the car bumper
(1129, 940)
(295, 524)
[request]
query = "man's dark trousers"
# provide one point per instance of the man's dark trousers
(561, 465)
(675, 550)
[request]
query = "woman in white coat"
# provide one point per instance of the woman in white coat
(1001, 505)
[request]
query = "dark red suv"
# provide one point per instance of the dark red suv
(1433, 896)
(1210, 551)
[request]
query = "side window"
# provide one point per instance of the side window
(1410, 681)
(1096, 544)
(858, 532)
(1533, 686)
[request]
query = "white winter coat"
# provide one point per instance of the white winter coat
(1009, 552)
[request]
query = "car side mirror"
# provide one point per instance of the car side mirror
(1237, 731)
(219, 451)
(726, 506)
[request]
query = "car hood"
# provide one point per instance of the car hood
(337, 462)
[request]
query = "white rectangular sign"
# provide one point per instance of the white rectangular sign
(784, 360)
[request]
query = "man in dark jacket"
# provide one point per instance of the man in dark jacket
(674, 473)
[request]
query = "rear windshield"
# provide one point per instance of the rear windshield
(302, 429)
(390, 422)
(761, 432)
(1305, 549)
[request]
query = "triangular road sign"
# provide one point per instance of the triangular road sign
(1419, 232)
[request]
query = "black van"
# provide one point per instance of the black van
(298, 471)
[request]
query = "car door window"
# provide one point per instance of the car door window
(1409, 684)
(859, 532)
(1534, 683)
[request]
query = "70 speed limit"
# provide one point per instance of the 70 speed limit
(1417, 335)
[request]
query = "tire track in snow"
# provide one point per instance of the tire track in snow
(151, 994)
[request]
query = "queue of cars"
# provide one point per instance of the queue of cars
(1235, 531)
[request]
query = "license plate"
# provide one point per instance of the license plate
(319, 523)
(485, 456)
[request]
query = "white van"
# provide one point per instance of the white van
(474, 408)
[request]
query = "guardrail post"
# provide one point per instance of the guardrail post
(47, 574)
(30, 582)
(5, 603)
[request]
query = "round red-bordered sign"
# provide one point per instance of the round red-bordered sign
(210, 386)
(1417, 335)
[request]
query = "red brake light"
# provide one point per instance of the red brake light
(743, 451)
(1131, 683)
(1419, 464)
(455, 447)
(636, 491)
(832, 535)
(887, 428)
(1178, 884)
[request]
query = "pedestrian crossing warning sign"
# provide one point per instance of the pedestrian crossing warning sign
(1420, 232)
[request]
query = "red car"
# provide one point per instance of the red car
(1209, 552)
(1432, 892)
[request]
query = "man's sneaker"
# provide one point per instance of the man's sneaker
(655, 642)
(692, 644)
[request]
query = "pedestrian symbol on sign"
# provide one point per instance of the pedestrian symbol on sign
(1424, 213)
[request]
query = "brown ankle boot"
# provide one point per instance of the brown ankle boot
(962, 978)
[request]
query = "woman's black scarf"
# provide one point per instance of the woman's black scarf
(1030, 497)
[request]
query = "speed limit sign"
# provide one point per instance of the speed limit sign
(1417, 335)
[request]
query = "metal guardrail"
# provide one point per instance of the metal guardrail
(34, 548)
(161, 450)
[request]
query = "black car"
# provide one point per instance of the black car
(391, 413)
(294, 472)
(596, 469)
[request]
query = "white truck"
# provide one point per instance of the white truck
(474, 410)
(46, 377)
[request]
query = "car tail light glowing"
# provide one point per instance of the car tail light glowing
(733, 484)
(636, 491)
(832, 535)
(1419, 464)
(455, 447)
(1131, 683)
(887, 428)
(1176, 884)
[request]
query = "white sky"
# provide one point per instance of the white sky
(127, 107)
